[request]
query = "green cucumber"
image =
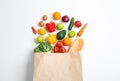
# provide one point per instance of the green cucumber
(71, 24)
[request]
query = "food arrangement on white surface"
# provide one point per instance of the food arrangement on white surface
(62, 41)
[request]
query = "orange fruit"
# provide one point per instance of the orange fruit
(67, 41)
(56, 15)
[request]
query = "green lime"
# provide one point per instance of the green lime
(71, 34)
(40, 39)
(60, 26)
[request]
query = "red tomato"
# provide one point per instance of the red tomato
(59, 44)
(56, 49)
(62, 50)
(78, 23)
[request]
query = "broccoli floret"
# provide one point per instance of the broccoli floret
(43, 47)
(36, 49)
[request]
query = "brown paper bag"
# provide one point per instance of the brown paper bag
(57, 67)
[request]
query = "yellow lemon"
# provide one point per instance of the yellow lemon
(42, 31)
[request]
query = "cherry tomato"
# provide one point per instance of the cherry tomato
(78, 23)
(56, 49)
(59, 44)
(62, 50)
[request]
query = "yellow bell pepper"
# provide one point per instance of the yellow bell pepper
(51, 38)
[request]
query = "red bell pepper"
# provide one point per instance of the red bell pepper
(50, 26)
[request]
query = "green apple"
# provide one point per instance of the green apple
(71, 34)
(40, 39)
(60, 26)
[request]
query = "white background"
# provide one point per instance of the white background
(101, 52)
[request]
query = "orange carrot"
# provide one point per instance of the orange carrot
(82, 30)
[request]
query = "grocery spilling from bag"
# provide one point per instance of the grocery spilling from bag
(61, 42)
